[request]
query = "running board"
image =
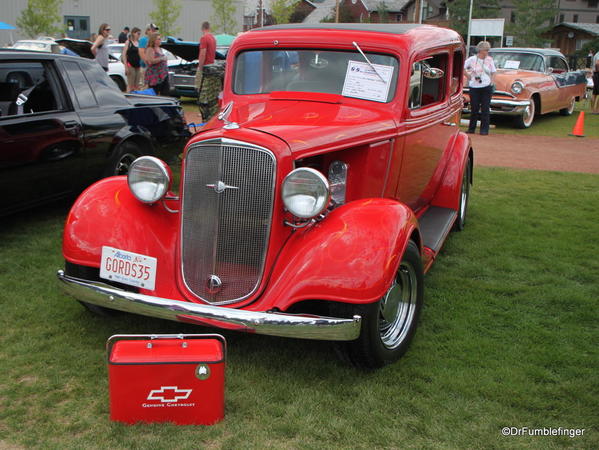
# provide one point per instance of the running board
(435, 225)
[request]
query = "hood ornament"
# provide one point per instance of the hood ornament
(214, 284)
(224, 115)
(220, 187)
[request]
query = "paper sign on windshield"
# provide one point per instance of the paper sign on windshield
(361, 81)
(512, 64)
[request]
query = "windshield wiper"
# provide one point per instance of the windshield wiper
(368, 61)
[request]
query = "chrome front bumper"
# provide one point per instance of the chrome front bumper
(502, 107)
(274, 324)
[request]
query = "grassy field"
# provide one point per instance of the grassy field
(508, 337)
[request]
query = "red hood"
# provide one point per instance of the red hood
(311, 126)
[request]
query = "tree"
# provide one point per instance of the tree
(223, 20)
(281, 10)
(481, 9)
(40, 18)
(533, 18)
(166, 15)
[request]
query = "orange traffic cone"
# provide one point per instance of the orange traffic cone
(578, 129)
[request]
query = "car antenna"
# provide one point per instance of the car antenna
(368, 61)
(224, 115)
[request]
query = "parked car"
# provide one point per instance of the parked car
(182, 73)
(311, 207)
(38, 45)
(64, 124)
(83, 48)
(530, 82)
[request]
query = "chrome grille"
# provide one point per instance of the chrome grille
(226, 233)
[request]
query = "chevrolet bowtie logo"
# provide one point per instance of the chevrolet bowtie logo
(169, 394)
(220, 187)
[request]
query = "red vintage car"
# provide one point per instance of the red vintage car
(310, 207)
(530, 82)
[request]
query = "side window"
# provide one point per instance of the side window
(83, 92)
(27, 87)
(558, 65)
(457, 71)
(105, 89)
(427, 85)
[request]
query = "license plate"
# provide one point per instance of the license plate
(128, 268)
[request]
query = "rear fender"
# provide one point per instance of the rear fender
(448, 193)
(351, 256)
(107, 214)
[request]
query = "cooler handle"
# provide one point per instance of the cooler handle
(117, 337)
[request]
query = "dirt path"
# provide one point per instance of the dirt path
(568, 154)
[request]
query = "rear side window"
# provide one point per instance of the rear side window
(83, 92)
(456, 71)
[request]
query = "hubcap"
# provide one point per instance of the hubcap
(123, 165)
(398, 307)
(529, 113)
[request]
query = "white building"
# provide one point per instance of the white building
(84, 17)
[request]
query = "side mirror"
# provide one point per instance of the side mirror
(433, 73)
(549, 70)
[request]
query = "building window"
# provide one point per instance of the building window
(513, 16)
(575, 18)
(561, 18)
(593, 3)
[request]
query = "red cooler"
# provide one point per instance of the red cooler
(167, 378)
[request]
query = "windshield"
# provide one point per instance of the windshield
(517, 60)
(37, 46)
(323, 71)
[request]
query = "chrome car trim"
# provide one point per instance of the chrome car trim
(273, 324)
(224, 142)
(518, 107)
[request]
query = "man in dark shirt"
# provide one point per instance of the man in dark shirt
(124, 35)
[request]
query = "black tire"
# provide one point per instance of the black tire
(122, 85)
(386, 335)
(460, 222)
(570, 109)
(527, 118)
(121, 160)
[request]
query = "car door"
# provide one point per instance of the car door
(429, 125)
(40, 140)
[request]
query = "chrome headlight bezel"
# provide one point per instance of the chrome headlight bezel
(517, 87)
(315, 186)
(149, 179)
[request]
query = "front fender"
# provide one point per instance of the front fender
(107, 214)
(350, 256)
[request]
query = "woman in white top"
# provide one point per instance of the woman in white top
(100, 46)
(480, 70)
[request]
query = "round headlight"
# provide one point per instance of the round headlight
(149, 179)
(305, 192)
(517, 87)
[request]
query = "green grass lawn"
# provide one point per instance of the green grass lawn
(508, 337)
(552, 124)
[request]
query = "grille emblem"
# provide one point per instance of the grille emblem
(214, 284)
(220, 187)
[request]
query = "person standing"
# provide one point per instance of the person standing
(132, 60)
(595, 97)
(206, 56)
(143, 43)
(100, 46)
(156, 75)
(123, 35)
(480, 70)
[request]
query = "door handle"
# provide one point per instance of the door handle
(72, 126)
